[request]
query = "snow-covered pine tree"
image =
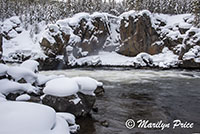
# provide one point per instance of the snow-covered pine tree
(196, 12)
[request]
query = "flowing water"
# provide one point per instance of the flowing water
(142, 95)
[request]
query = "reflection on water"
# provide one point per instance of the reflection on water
(142, 94)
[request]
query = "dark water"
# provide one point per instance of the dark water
(147, 95)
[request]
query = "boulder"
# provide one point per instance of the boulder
(51, 63)
(55, 40)
(138, 35)
(190, 64)
(79, 105)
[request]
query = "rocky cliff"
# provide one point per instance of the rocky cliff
(69, 41)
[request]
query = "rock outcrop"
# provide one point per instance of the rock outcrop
(86, 36)
(138, 35)
(79, 105)
(93, 34)
(1, 43)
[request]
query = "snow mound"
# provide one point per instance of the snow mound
(8, 86)
(87, 85)
(61, 87)
(18, 73)
(23, 97)
(3, 69)
(42, 79)
(30, 118)
(30, 64)
(2, 98)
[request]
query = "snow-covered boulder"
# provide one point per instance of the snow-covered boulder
(30, 64)
(23, 97)
(61, 87)
(19, 73)
(3, 69)
(30, 118)
(11, 27)
(73, 95)
(87, 85)
(8, 86)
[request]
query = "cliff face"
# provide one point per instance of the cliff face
(129, 34)
(138, 35)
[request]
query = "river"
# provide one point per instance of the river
(150, 95)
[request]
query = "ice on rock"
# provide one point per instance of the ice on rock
(18, 73)
(61, 87)
(23, 97)
(30, 64)
(87, 85)
(30, 118)
(3, 69)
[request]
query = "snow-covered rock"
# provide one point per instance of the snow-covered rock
(87, 85)
(8, 86)
(30, 118)
(30, 64)
(23, 97)
(17, 73)
(3, 69)
(61, 87)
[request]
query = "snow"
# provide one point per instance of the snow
(8, 86)
(21, 41)
(2, 98)
(61, 87)
(193, 53)
(70, 118)
(30, 64)
(18, 73)
(87, 85)
(23, 97)
(30, 118)
(3, 69)
(76, 100)
(42, 79)
(165, 59)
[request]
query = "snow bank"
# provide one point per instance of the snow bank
(30, 118)
(61, 87)
(164, 60)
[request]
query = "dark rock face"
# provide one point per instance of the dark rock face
(138, 36)
(52, 49)
(92, 38)
(1, 44)
(64, 104)
(190, 64)
(51, 64)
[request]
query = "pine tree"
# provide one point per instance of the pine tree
(196, 12)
